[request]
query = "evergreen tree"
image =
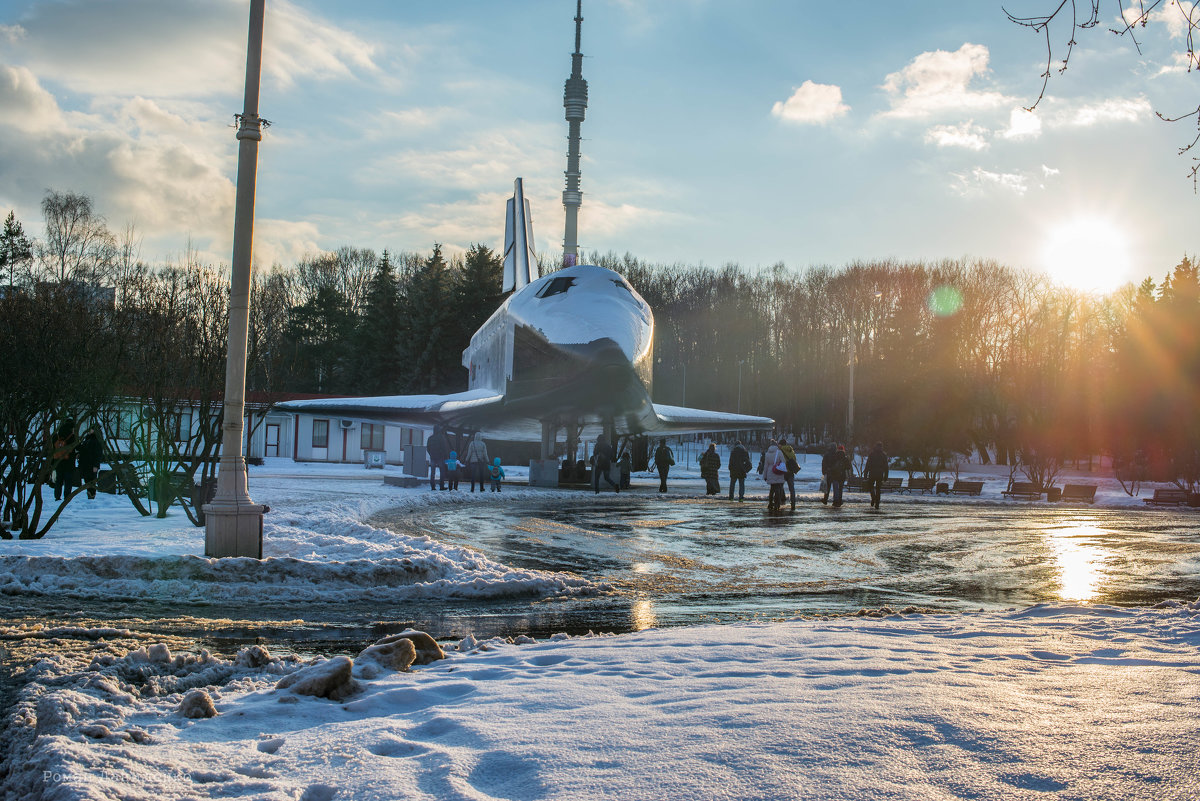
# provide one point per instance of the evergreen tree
(477, 290)
(378, 369)
(319, 333)
(15, 248)
(430, 348)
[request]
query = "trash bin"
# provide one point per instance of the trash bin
(1053, 494)
(943, 488)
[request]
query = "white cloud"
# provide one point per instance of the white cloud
(980, 182)
(283, 241)
(140, 162)
(1049, 172)
(1109, 111)
(938, 81)
(11, 33)
(191, 48)
(490, 158)
(24, 104)
(1023, 124)
(811, 103)
(968, 135)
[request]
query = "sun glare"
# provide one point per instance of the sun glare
(1088, 253)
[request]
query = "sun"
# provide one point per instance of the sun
(1088, 253)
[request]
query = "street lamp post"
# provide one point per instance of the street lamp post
(740, 363)
(233, 522)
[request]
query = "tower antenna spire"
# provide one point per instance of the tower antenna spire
(575, 103)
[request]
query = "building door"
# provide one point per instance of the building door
(272, 447)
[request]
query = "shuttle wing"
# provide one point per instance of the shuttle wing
(455, 409)
(682, 420)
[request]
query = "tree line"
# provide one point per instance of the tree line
(948, 357)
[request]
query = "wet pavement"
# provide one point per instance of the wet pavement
(690, 560)
(679, 561)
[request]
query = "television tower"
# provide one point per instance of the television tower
(575, 102)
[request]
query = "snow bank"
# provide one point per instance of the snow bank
(316, 548)
(1051, 701)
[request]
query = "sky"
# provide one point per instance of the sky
(752, 133)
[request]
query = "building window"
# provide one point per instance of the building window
(372, 436)
(320, 434)
(182, 422)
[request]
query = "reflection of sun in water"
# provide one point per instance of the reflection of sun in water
(1079, 563)
(642, 614)
(1088, 253)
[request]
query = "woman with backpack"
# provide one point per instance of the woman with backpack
(774, 470)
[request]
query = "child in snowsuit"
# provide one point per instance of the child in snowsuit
(495, 473)
(452, 468)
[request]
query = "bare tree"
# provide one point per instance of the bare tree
(1070, 17)
(78, 245)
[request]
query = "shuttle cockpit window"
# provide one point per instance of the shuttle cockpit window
(556, 286)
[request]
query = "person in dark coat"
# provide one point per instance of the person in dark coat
(602, 456)
(826, 463)
(62, 459)
(663, 459)
(626, 463)
(876, 471)
(438, 448)
(91, 454)
(839, 471)
(710, 463)
(739, 468)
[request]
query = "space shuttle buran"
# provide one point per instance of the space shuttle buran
(574, 348)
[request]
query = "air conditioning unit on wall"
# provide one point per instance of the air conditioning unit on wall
(347, 425)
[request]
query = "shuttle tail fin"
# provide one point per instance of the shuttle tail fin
(520, 261)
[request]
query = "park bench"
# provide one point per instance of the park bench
(856, 483)
(967, 488)
(1023, 489)
(1083, 493)
(920, 485)
(892, 485)
(1168, 497)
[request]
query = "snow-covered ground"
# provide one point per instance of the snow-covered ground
(1054, 701)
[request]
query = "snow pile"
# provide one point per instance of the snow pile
(316, 548)
(1051, 701)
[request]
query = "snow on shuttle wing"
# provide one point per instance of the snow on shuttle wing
(682, 420)
(413, 409)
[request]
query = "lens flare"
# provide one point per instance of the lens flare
(945, 301)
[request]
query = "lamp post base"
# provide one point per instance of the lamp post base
(233, 529)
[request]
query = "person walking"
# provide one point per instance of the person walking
(663, 459)
(91, 454)
(739, 467)
(62, 459)
(496, 474)
(477, 460)
(876, 471)
(839, 469)
(453, 470)
(774, 468)
(602, 456)
(827, 462)
(710, 464)
(793, 467)
(625, 463)
(438, 448)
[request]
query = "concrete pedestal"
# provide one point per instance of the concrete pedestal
(233, 529)
(543, 473)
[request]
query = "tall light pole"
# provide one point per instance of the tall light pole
(740, 363)
(233, 522)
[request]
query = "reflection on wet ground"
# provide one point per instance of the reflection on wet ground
(694, 560)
